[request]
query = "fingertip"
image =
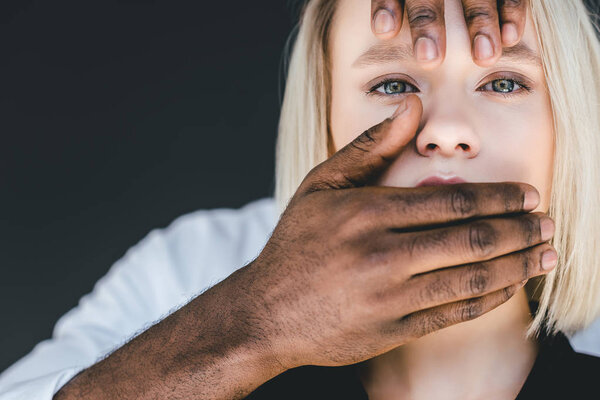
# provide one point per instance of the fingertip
(426, 50)
(513, 17)
(383, 22)
(549, 259)
(484, 49)
(430, 51)
(401, 109)
(510, 34)
(415, 101)
(531, 199)
(386, 18)
(407, 104)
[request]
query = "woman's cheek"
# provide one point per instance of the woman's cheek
(353, 114)
(519, 142)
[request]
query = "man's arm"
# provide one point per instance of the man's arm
(198, 352)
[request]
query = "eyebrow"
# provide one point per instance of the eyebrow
(384, 53)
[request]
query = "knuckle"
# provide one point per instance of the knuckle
(526, 263)
(471, 309)
(377, 299)
(318, 180)
(480, 14)
(372, 251)
(421, 242)
(310, 183)
(437, 287)
(478, 279)
(368, 136)
(508, 292)
(433, 322)
(377, 255)
(423, 14)
(482, 238)
(529, 226)
(461, 201)
(512, 197)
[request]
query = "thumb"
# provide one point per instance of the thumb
(361, 161)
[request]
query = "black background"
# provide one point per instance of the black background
(116, 117)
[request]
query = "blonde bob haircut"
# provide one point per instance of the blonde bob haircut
(569, 296)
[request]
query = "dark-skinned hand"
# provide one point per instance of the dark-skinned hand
(492, 24)
(352, 271)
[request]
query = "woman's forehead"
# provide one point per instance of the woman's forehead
(352, 42)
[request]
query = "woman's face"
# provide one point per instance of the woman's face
(482, 124)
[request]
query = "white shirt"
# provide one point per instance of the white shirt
(154, 278)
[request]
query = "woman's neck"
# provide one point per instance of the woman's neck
(488, 357)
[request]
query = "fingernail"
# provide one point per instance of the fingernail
(547, 228)
(425, 49)
(384, 21)
(483, 47)
(549, 259)
(509, 33)
(402, 107)
(532, 198)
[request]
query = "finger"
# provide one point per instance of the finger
(478, 240)
(474, 280)
(386, 17)
(421, 323)
(361, 161)
(513, 15)
(409, 207)
(484, 30)
(428, 31)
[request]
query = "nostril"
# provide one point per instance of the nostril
(464, 146)
(431, 146)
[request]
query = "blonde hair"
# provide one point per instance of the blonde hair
(569, 296)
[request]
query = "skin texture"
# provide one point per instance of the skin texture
(479, 135)
(351, 271)
(497, 22)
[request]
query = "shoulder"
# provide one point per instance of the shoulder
(232, 235)
(257, 215)
(213, 225)
(206, 245)
(587, 340)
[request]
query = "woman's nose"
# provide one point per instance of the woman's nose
(447, 137)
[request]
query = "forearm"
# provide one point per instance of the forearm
(198, 352)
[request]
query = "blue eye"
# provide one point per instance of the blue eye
(393, 87)
(503, 85)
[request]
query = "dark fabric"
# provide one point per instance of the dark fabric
(558, 373)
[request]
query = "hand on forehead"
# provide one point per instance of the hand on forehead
(492, 24)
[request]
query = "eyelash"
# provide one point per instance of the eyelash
(523, 86)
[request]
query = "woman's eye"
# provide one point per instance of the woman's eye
(503, 86)
(394, 87)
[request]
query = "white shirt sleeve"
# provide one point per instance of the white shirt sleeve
(163, 272)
